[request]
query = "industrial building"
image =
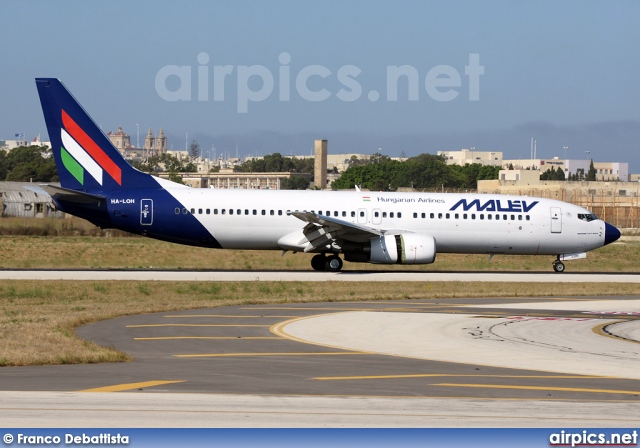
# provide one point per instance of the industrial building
(26, 200)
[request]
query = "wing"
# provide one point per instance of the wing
(326, 232)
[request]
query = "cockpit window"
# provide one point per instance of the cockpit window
(587, 216)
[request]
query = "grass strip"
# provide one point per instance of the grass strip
(38, 318)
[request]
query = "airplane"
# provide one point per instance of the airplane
(99, 185)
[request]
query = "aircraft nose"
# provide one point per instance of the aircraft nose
(611, 234)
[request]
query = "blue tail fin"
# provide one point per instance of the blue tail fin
(85, 158)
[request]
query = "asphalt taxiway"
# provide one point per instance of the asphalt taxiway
(443, 362)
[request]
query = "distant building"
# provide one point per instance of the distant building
(154, 146)
(120, 139)
(605, 171)
(228, 179)
(471, 156)
(8, 145)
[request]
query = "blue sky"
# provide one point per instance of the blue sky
(565, 73)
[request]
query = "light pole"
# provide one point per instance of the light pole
(138, 140)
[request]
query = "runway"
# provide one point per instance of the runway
(555, 361)
(312, 276)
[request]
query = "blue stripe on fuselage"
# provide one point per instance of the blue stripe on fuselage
(126, 213)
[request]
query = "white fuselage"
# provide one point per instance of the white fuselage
(258, 219)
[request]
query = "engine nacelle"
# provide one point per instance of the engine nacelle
(408, 248)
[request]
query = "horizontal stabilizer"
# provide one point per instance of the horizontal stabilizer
(74, 196)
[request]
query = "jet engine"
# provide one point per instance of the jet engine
(407, 248)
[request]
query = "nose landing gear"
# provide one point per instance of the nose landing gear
(558, 265)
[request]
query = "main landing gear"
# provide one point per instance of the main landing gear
(332, 263)
(558, 265)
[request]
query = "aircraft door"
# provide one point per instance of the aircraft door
(556, 220)
(146, 212)
(362, 216)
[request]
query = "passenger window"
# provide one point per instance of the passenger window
(215, 211)
(415, 215)
(208, 211)
(481, 216)
(246, 211)
(264, 212)
(193, 211)
(513, 217)
(271, 212)
(199, 211)
(457, 216)
(335, 214)
(376, 214)
(431, 215)
(177, 210)
(424, 215)
(279, 212)
(528, 218)
(390, 214)
(399, 214)
(473, 216)
(255, 212)
(384, 214)
(231, 211)
(353, 214)
(184, 211)
(447, 216)
(344, 214)
(497, 217)
(239, 212)
(362, 214)
(519, 217)
(439, 215)
(223, 211)
(489, 217)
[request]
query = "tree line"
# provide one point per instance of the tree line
(378, 172)
(28, 164)
(423, 172)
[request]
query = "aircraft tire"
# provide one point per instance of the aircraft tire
(558, 266)
(318, 262)
(333, 264)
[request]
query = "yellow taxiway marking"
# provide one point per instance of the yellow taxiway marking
(231, 355)
(130, 386)
(165, 338)
(435, 375)
(227, 316)
(543, 388)
(196, 325)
